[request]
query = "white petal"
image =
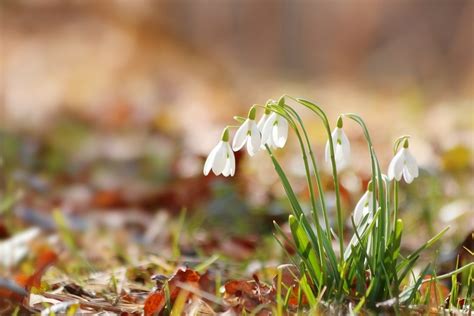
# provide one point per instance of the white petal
(249, 146)
(411, 164)
(262, 121)
(391, 170)
(229, 168)
(269, 143)
(327, 153)
(228, 164)
(407, 176)
(232, 160)
(254, 141)
(241, 136)
(395, 168)
(226, 171)
(220, 159)
(280, 132)
(342, 148)
(339, 155)
(400, 165)
(346, 145)
(359, 209)
(210, 159)
(370, 202)
(267, 128)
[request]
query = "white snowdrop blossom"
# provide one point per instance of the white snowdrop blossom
(248, 133)
(341, 145)
(221, 159)
(364, 206)
(403, 164)
(261, 124)
(263, 120)
(275, 131)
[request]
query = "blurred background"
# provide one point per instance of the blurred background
(109, 108)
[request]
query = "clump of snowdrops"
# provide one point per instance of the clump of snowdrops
(368, 270)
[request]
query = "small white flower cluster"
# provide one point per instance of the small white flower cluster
(271, 130)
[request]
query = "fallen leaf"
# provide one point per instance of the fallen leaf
(17, 291)
(436, 291)
(45, 259)
(248, 295)
(108, 199)
(290, 276)
(156, 301)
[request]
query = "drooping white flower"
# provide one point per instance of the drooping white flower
(221, 159)
(263, 120)
(275, 131)
(248, 133)
(403, 164)
(341, 145)
(261, 123)
(364, 206)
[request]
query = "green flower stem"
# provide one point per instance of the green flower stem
(395, 202)
(296, 207)
(324, 240)
(318, 111)
(316, 172)
(378, 234)
(286, 115)
(399, 141)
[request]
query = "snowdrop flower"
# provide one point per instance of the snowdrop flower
(263, 119)
(248, 133)
(363, 208)
(365, 205)
(221, 159)
(342, 147)
(261, 123)
(403, 164)
(275, 131)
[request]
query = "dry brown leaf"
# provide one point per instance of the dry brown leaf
(290, 282)
(436, 291)
(156, 301)
(248, 295)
